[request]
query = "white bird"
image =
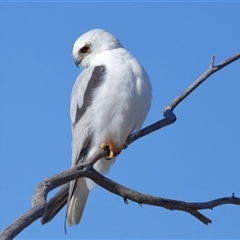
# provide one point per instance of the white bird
(110, 100)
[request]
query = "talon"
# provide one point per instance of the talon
(113, 150)
(103, 145)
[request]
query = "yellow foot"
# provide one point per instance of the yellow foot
(112, 149)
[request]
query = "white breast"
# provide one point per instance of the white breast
(121, 104)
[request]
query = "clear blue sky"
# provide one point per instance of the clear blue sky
(195, 159)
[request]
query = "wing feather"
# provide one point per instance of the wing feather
(81, 99)
(82, 134)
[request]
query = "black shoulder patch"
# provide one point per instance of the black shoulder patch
(95, 81)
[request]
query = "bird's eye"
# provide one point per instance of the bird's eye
(85, 49)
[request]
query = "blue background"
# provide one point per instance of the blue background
(195, 159)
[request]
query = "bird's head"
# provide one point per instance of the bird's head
(91, 43)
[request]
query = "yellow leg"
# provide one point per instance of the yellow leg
(113, 150)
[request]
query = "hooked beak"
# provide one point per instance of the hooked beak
(77, 61)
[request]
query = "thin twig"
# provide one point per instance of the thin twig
(212, 69)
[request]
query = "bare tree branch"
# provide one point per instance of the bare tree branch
(170, 204)
(212, 69)
(86, 170)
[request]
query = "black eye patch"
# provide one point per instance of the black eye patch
(85, 49)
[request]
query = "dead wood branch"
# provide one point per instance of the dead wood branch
(86, 170)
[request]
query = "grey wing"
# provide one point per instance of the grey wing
(81, 99)
(87, 82)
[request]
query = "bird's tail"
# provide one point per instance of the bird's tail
(79, 190)
(77, 202)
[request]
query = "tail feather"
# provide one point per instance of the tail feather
(77, 202)
(56, 204)
(79, 189)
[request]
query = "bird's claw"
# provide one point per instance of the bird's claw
(113, 150)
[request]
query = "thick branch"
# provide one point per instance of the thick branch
(170, 204)
(86, 170)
